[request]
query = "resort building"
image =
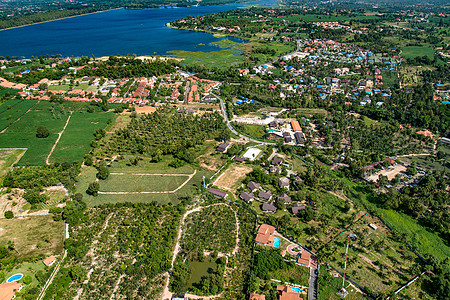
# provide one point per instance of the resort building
(265, 235)
(8, 290)
(218, 193)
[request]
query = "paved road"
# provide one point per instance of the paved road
(312, 293)
(225, 117)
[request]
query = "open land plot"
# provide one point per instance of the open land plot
(8, 157)
(88, 174)
(390, 172)
(208, 157)
(61, 87)
(233, 175)
(123, 165)
(120, 122)
(47, 235)
(37, 149)
(11, 110)
(221, 58)
(375, 259)
(414, 51)
(310, 112)
(76, 140)
(142, 182)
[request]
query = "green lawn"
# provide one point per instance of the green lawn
(62, 87)
(414, 51)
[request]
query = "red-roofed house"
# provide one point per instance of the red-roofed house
(265, 235)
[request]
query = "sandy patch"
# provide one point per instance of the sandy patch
(232, 175)
(390, 172)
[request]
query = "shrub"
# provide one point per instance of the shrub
(9, 214)
(42, 132)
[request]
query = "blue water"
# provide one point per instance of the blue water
(15, 277)
(295, 290)
(117, 32)
(276, 242)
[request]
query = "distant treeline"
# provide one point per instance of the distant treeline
(65, 11)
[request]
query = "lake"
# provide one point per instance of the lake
(115, 32)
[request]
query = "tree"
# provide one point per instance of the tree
(9, 214)
(78, 197)
(93, 188)
(103, 173)
(42, 132)
(27, 279)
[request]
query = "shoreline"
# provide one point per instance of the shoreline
(58, 19)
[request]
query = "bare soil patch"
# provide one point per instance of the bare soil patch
(232, 175)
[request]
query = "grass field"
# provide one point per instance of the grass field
(37, 149)
(74, 143)
(141, 183)
(414, 51)
(76, 139)
(47, 235)
(389, 78)
(329, 286)
(13, 109)
(88, 175)
(35, 118)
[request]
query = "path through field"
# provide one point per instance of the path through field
(57, 140)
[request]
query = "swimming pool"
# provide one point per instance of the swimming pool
(15, 277)
(276, 242)
(295, 290)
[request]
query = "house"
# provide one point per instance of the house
(283, 253)
(239, 159)
(276, 161)
(298, 180)
(49, 261)
(253, 186)
(269, 207)
(247, 197)
(274, 123)
(425, 132)
(179, 297)
(218, 193)
(295, 125)
(304, 258)
(297, 208)
(285, 292)
(265, 235)
(287, 137)
(299, 137)
(373, 226)
(265, 195)
(223, 147)
(8, 290)
(283, 183)
(285, 198)
(274, 169)
(257, 297)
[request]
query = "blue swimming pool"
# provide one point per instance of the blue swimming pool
(295, 290)
(276, 242)
(15, 277)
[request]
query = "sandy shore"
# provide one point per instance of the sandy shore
(96, 12)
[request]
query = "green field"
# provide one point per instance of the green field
(414, 51)
(11, 110)
(141, 183)
(88, 175)
(35, 118)
(37, 149)
(76, 139)
(75, 142)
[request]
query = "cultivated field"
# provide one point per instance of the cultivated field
(19, 121)
(7, 158)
